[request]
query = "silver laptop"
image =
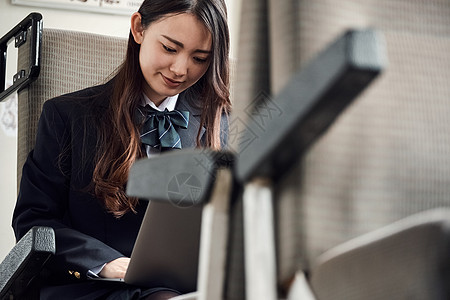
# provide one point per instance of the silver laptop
(166, 251)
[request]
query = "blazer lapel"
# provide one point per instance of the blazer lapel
(188, 136)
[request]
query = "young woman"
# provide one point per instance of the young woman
(74, 180)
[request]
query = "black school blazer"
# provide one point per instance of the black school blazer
(57, 172)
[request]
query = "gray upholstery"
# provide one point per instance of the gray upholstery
(69, 61)
(408, 259)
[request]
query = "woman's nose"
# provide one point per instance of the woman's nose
(179, 67)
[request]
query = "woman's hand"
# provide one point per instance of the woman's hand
(116, 268)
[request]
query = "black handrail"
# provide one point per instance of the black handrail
(280, 130)
(28, 30)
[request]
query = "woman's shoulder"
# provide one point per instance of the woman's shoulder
(81, 101)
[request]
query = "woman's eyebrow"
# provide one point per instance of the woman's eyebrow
(180, 44)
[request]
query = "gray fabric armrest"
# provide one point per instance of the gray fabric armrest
(25, 261)
(409, 259)
(183, 177)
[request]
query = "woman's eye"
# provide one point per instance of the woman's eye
(168, 49)
(200, 59)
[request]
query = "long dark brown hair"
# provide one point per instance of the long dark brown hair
(118, 136)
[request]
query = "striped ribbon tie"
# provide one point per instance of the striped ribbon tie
(159, 128)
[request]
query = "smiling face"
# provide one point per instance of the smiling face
(175, 53)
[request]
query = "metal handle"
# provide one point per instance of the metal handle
(28, 30)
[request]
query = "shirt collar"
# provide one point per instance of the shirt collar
(169, 103)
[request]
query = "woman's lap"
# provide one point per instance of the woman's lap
(90, 290)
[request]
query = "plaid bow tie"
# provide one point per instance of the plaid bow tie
(159, 127)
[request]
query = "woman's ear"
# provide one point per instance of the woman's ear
(136, 28)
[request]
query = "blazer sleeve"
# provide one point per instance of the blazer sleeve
(44, 193)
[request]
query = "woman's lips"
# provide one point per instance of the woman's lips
(170, 82)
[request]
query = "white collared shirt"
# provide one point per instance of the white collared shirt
(169, 103)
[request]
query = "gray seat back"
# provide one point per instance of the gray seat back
(69, 61)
